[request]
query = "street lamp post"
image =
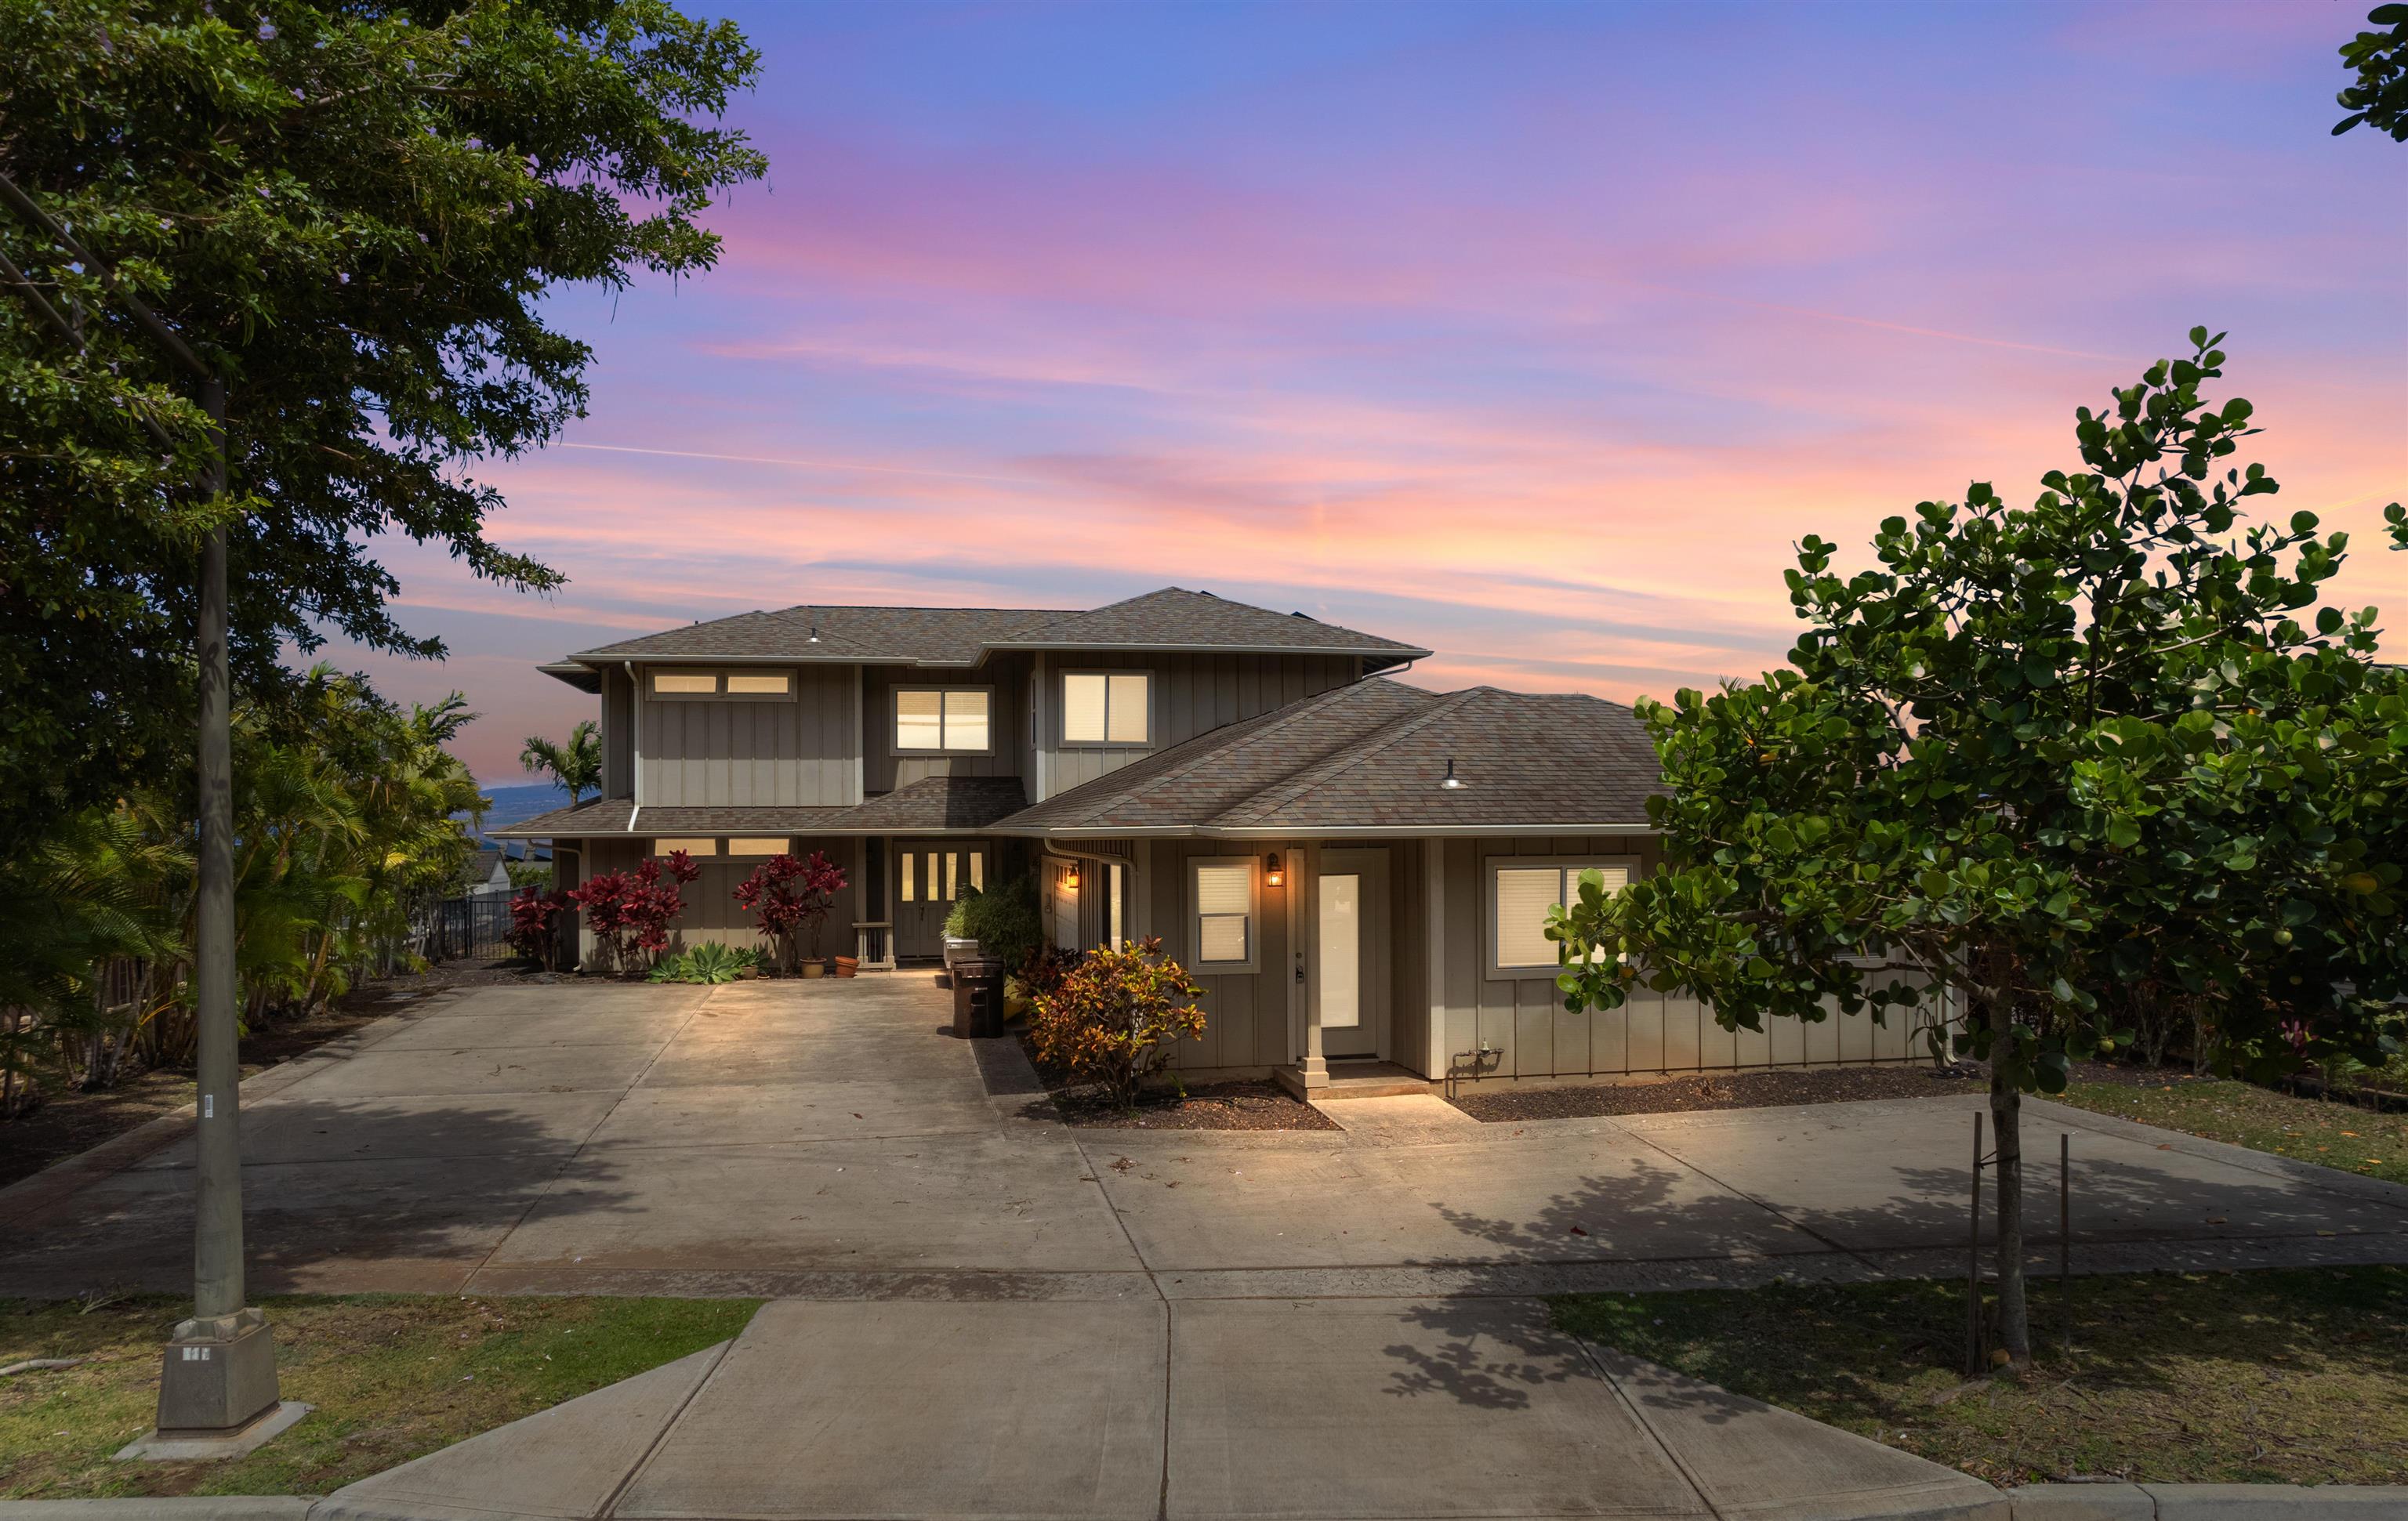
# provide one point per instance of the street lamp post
(218, 1380)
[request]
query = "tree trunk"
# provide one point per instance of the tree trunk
(2006, 1119)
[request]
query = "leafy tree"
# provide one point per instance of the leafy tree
(2038, 763)
(577, 765)
(2380, 61)
(352, 213)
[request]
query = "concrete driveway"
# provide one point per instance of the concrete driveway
(831, 1140)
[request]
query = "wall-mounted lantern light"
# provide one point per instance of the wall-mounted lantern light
(1070, 879)
(1453, 783)
(1273, 873)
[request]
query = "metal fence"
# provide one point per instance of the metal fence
(475, 928)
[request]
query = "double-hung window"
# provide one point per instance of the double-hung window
(943, 720)
(1106, 708)
(1521, 891)
(1224, 928)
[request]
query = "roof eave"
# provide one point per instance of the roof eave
(1152, 646)
(577, 674)
(1291, 831)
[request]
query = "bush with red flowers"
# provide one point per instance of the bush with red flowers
(535, 923)
(630, 912)
(789, 899)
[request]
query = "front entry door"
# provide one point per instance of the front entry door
(929, 875)
(1351, 896)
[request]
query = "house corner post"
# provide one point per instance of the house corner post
(1313, 1066)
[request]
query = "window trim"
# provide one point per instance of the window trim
(895, 746)
(1492, 968)
(1061, 707)
(1195, 919)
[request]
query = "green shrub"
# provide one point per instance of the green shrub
(1115, 1019)
(1004, 921)
(709, 961)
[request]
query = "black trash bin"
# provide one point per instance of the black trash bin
(978, 998)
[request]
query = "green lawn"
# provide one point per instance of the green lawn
(2336, 1135)
(392, 1377)
(2298, 1376)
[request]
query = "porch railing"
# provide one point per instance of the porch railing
(874, 943)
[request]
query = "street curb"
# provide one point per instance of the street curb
(2208, 1501)
(177, 1507)
(26, 1198)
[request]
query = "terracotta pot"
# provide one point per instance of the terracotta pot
(848, 966)
(814, 969)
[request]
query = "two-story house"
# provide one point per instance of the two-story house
(1357, 870)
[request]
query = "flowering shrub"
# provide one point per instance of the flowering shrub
(631, 912)
(789, 899)
(1114, 1019)
(535, 920)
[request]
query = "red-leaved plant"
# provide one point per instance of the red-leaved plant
(535, 919)
(631, 912)
(788, 898)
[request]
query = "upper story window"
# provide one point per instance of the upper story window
(723, 684)
(1106, 708)
(943, 720)
(1520, 893)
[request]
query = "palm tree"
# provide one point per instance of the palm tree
(577, 765)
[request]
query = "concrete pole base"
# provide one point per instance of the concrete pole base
(218, 1378)
(185, 1447)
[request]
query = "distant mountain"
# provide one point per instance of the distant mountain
(509, 805)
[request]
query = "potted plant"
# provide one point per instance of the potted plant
(789, 901)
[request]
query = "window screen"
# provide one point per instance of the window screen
(1523, 896)
(1125, 708)
(1223, 911)
(919, 720)
(1082, 708)
(966, 720)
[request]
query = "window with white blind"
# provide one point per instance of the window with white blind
(757, 846)
(943, 720)
(1223, 926)
(1520, 893)
(692, 847)
(1106, 708)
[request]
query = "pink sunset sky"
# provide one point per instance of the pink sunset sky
(1532, 334)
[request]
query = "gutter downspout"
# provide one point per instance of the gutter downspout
(635, 746)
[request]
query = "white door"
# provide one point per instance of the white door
(1351, 899)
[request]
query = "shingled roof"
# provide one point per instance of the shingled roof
(1370, 756)
(1172, 618)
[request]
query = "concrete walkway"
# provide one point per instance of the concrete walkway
(1134, 1411)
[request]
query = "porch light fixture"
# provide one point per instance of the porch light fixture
(1070, 879)
(1273, 873)
(1451, 783)
(815, 633)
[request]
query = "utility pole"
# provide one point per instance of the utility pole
(217, 1386)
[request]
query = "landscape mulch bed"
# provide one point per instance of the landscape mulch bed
(1754, 1090)
(1221, 1106)
(69, 1121)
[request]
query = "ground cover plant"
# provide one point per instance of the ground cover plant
(2291, 1376)
(392, 1377)
(2370, 1142)
(712, 961)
